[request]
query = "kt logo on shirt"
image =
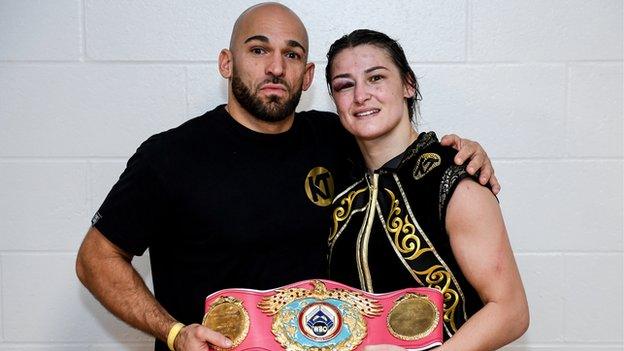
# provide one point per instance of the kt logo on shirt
(319, 186)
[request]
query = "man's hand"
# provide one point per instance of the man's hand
(479, 160)
(196, 337)
(383, 348)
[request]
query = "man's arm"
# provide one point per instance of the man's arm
(107, 272)
(479, 160)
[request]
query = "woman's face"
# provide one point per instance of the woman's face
(369, 93)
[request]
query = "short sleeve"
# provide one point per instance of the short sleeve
(132, 212)
(450, 179)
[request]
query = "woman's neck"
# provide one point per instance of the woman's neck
(379, 151)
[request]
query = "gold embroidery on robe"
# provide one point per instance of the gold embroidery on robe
(412, 244)
(344, 210)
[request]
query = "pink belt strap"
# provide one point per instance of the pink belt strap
(323, 315)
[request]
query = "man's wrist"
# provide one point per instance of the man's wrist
(173, 334)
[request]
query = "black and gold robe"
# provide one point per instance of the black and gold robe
(389, 233)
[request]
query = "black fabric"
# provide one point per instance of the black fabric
(220, 206)
(412, 199)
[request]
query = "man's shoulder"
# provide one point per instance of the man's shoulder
(198, 124)
(193, 126)
(318, 117)
(325, 122)
(184, 134)
(317, 113)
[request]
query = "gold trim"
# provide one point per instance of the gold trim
(396, 251)
(343, 211)
(409, 248)
(450, 294)
(346, 223)
(228, 316)
(412, 317)
(439, 278)
(410, 243)
(451, 176)
(363, 240)
(342, 193)
(342, 215)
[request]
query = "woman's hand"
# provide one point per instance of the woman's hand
(479, 160)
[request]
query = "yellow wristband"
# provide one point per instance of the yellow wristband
(173, 333)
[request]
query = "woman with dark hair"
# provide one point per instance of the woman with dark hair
(412, 217)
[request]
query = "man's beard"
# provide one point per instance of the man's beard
(271, 111)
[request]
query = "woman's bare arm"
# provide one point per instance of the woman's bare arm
(480, 244)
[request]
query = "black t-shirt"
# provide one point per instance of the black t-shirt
(220, 206)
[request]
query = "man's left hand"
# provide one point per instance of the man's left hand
(479, 160)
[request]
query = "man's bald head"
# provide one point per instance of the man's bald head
(267, 15)
(267, 67)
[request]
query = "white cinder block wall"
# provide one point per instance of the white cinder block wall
(538, 83)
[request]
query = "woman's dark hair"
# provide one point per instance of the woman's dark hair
(393, 49)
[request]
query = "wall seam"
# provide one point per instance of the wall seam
(83, 32)
(566, 112)
(89, 187)
(186, 93)
(2, 312)
(564, 323)
(468, 34)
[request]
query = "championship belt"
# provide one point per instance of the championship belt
(322, 315)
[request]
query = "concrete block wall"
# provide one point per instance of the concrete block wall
(538, 83)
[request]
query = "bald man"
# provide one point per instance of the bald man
(237, 197)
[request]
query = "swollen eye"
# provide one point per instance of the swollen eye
(341, 86)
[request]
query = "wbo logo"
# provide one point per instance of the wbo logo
(320, 321)
(319, 186)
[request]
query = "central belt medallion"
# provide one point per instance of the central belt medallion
(319, 319)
